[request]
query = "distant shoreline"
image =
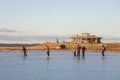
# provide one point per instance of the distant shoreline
(111, 47)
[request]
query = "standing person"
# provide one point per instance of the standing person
(83, 51)
(78, 50)
(24, 51)
(103, 50)
(74, 51)
(48, 50)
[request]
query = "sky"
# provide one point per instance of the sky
(61, 17)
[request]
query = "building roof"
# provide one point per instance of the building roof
(84, 35)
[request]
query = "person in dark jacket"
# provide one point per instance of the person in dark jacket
(24, 51)
(103, 50)
(48, 50)
(78, 50)
(83, 51)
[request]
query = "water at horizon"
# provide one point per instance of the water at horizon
(61, 65)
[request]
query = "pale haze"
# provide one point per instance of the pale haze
(61, 17)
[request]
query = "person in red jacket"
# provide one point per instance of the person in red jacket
(83, 51)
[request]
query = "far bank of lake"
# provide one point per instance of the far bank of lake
(68, 46)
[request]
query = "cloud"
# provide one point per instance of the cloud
(110, 37)
(7, 30)
(14, 36)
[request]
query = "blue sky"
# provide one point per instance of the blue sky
(61, 17)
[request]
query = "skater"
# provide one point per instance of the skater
(103, 50)
(74, 51)
(24, 51)
(83, 51)
(48, 50)
(78, 50)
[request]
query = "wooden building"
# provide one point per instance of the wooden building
(86, 38)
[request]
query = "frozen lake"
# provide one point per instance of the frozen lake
(61, 65)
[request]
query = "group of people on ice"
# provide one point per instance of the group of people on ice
(76, 51)
(83, 49)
